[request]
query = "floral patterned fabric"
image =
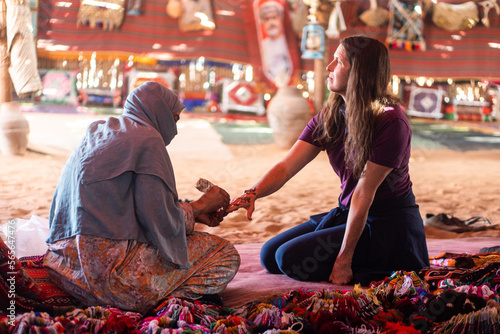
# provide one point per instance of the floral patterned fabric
(133, 276)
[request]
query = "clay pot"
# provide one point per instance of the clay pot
(288, 113)
(14, 130)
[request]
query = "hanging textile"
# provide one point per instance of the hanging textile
(276, 60)
(405, 26)
(20, 43)
(107, 15)
(336, 23)
(454, 17)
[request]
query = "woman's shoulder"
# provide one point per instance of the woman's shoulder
(393, 119)
(392, 113)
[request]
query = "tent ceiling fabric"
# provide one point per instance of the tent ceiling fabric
(466, 54)
(151, 32)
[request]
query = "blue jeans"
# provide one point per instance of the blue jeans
(393, 239)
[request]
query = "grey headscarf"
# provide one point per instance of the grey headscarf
(146, 119)
(92, 185)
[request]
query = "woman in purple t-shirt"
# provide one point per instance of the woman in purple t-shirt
(377, 227)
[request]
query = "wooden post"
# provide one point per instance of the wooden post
(5, 80)
(319, 84)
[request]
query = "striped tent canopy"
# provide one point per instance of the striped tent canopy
(467, 54)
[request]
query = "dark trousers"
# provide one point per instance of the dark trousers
(393, 239)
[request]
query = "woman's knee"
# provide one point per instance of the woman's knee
(268, 259)
(293, 265)
(308, 259)
(269, 249)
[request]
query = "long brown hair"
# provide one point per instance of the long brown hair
(366, 96)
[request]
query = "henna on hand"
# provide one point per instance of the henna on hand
(247, 194)
(242, 201)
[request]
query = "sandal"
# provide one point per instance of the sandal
(446, 221)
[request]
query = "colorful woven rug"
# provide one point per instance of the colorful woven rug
(34, 290)
(438, 300)
(400, 304)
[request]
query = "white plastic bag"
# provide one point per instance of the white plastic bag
(27, 236)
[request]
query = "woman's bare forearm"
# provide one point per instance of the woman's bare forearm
(299, 155)
(272, 181)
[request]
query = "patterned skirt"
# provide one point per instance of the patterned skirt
(131, 275)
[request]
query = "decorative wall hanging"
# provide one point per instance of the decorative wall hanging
(425, 102)
(23, 60)
(276, 60)
(454, 17)
(336, 23)
(196, 15)
(241, 96)
(137, 78)
(107, 14)
(405, 26)
(375, 16)
(59, 87)
(487, 5)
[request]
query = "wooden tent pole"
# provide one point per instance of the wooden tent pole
(319, 84)
(5, 80)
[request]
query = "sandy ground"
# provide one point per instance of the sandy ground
(463, 183)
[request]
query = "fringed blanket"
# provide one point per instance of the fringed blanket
(443, 299)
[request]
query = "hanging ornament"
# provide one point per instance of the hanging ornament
(487, 5)
(196, 15)
(405, 26)
(313, 41)
(134, 7)
(336, 22)
(174, 9)
(375, 16)
(453, 17)
(107, 14)
(298, 16)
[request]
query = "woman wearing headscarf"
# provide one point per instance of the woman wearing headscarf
(377, 227)
(119, 235)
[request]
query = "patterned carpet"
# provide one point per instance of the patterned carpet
(459, 294)
(402, 303)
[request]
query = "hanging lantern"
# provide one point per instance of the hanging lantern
(313, 41)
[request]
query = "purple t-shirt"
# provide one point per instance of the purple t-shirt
(391, 148)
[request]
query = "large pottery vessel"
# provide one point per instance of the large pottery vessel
(288, 113)
(14, 129)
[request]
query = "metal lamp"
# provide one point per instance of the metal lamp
(313, 41)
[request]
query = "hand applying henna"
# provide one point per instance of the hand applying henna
(210, 208)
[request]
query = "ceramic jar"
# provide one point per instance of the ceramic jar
(14, 129)
(288, 113)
